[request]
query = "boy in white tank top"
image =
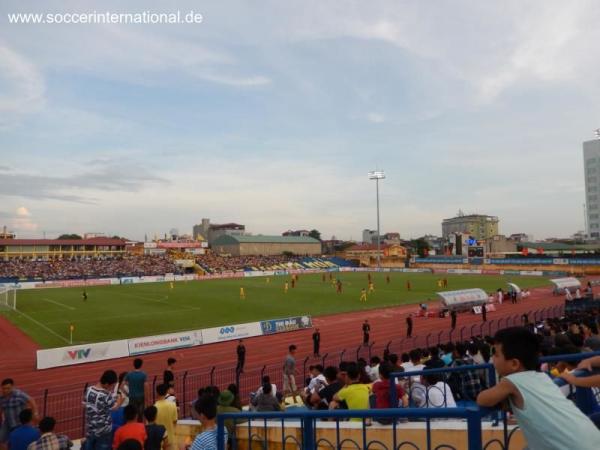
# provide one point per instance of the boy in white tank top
(549, 420)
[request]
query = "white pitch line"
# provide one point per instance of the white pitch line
(59, 304)
(43, 326)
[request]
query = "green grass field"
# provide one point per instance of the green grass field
(117, 312)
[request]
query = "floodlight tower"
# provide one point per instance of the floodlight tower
(377, 175)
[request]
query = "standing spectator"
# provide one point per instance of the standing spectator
(48, 440)
(409, 326)
(157, 437)
(24, 434)
(131, 430)
(366, 329)
(137, 383)
(12, 402)
(316, 338)
(166, 413)
(241, 356)
(484, 313)
(453, 319)
(99, 401)
(289, 373)
(207, 440)
(168, 375)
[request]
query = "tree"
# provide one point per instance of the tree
(315, 234)
(69, 236)
(421, 247)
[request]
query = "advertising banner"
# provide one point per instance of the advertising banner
(74, 283)
(231, 332)
(162, 342)
(79, 354)
(283, 325)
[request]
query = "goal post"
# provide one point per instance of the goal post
(8, 298)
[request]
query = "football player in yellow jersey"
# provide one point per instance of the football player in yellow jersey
(363, 295)
(285, 287)
(371, 287)
(242, 294)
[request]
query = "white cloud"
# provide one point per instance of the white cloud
(23, 212)
(23, 87)
(375, 117)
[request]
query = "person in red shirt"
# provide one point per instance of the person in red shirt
(132, 428)
(381, 389)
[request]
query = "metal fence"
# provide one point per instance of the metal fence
(65, 405)
(308, 425)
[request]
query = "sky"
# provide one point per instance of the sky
(271, 114)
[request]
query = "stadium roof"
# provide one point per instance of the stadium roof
(91, 241)
(369, 247)
(228, 240)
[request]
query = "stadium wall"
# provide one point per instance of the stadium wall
(86, 353)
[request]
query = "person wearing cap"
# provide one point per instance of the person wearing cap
(224, 405)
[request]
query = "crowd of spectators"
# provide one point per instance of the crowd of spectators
(213, 263)
(62, 269)
(363, 385)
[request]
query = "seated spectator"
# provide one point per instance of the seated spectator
(237, 402)
(322, 398)
(207, 410)
(465, 384)
(48, 440)
(132, 428)
(381, 389)
(24, 434)
(130, 444)
(199, 395)
(317, 380)
(373, 368)
(224, 405)
(354, 393)
(157, 437)
(437, 393)
(266, 401)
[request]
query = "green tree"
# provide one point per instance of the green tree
(69, 236)
(420, 247)
(315, 234)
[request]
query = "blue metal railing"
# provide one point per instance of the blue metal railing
(308, 419)
(472, 414)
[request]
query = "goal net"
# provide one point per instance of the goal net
(8, 298)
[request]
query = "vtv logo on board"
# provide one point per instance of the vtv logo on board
(83, 353)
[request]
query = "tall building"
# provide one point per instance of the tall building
(210, 231)
(476, 225)
(591, 167)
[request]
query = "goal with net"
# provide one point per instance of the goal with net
(8, 298)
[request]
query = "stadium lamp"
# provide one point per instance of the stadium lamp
(377, 175)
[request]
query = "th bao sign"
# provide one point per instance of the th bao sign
(79, 354)
(283, 325)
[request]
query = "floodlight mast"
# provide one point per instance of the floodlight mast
(377, 175)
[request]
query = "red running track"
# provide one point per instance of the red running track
(338, 332)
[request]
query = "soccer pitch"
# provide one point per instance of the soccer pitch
(126, 311)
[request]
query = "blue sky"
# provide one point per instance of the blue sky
(271, 114)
